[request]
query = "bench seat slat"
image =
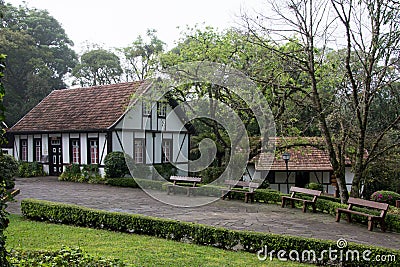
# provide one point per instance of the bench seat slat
(358, 213)
(248, 187)
(189, 183)
(382, 207)
(314, 193)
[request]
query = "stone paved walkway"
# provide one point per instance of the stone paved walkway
(231, 214)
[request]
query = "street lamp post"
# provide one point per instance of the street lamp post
(286, 158)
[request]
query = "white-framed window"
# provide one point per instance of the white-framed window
(56, 142)
(146, 108)
(24, 150)
(38, 149)
(75, 151)
(162, 109)
(139, 150)
(94, 151)
(166, 150)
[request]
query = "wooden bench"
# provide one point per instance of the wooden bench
(189, 183)
(232, 184)
(12, 193)
(293, 197)
(382, 207)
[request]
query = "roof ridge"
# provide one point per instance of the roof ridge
(84, 108)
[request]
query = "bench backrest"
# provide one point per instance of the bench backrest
(312, 192)
(186, 179)
(244, 184)
(383, 207)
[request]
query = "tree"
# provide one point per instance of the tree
(3, 214)
(143, 57)
(98, 67)
(39, 56)
(372, 34)
(301, 22)
(364, 69)
(211, 46)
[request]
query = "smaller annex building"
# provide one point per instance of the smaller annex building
(82, 125)
(308, 162)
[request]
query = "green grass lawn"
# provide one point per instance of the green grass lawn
(137, 250)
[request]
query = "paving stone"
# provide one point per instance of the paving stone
(230, 214)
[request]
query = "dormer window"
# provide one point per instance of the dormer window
(161, 109)
(146, 108)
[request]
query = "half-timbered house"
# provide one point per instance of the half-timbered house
(83, 125)
(308, 163)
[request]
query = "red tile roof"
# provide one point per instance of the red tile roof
(80, 109)
(306, 154)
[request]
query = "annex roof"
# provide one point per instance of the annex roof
(306, 154)
(79, 109)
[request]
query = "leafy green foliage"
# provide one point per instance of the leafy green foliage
(210, 174)
(2, 93)
(8, 169)
(142, 57)
(30, 169)
(98, 67)
(66, 256)
(134, 250)
(88, 173)
(384, 196)
(315, 186)
(130, 182)
(183, 231)
(115, 165)
(166, 170)
(4, 221)
(39, 54)
(72, 173)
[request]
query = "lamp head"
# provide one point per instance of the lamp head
(286, 156)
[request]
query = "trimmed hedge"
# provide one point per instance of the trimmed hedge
(324, 204)
(131, 182)
(66, 256)
(190, 232)
(208, 190)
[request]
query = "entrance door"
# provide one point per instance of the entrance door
(302, 179)
(55, 164)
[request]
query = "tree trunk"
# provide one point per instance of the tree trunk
(358, 173)
(341, 181)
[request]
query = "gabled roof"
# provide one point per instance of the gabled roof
(306, 154)
(80, 109)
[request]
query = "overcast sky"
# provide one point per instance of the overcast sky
(117, 23)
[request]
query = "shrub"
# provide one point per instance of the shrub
(91, 174)
(315, 186)
(136, 183)
(141, 171)
(190, 232)
(88, 173)
(210, 174)
(166, 170)
(385, 197)
(115, 165)
(64, 257)
(8, 168)
(122, 182)
(72, 173)
(30, 169)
